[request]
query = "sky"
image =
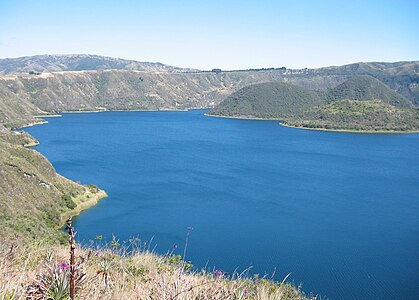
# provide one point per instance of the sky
(215, 34)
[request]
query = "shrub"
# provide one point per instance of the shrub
(68, 201)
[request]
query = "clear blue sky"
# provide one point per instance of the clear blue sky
(215, 34)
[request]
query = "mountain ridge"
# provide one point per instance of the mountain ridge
(80, 62)
(402, 77)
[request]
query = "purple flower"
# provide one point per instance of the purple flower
(174, 246)
(218, 273)
(63, 266)
(97, 253)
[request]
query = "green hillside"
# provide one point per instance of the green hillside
(402, 77)
(365, 87)
(33, 197)
(31, 192)
(361, 103)
(268, 100)
(353, 115)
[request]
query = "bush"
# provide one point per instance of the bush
(68, 201)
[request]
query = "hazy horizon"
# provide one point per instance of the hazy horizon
(189, 67)
(232, 35)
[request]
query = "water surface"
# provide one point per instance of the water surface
(338, 210)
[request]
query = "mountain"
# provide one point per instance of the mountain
(361, 103)
(402, 77)
(79, 62)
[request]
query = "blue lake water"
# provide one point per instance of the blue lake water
(338, 210)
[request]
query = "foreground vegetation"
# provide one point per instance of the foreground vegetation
(130, 271)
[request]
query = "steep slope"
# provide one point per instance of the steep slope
(32, 194)
(79, 62)
(15, 111)
(268, 100)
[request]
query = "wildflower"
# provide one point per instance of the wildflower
(218, 273)
(175, 246)
(63, 266)
(97, 253)
(189, 228)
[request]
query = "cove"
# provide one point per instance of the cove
(338, 210)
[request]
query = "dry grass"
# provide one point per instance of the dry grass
(120, 274)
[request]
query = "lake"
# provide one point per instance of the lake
(340, 211)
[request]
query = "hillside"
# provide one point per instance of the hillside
(353, 115)
(16, 111)
(79, 62)
(402, 77)
(272, 100)
(365, 87)
(129, 90)
(361, 103)
(197, 89)
(32, 194)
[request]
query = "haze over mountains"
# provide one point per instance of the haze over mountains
(79, 62)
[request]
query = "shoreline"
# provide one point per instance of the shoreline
(32, 144)
(243, 118)
(352, 131)
(40, 122)
(84, 201)
(48, 116)
(318, 129)
(118, 110)
(90, 200)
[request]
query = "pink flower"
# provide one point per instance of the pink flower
(97, 253)
(63, 266)
(218, 273)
